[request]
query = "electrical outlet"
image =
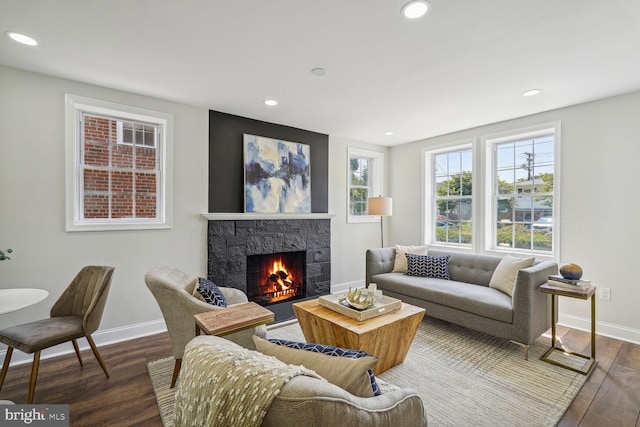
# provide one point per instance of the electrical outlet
(605, 294)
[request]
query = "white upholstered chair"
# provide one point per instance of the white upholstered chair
(173, 289)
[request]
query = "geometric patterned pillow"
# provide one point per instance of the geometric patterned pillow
(211, 293)
(428, 266)
(330, 351)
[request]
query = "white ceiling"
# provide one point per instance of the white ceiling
(463, 65)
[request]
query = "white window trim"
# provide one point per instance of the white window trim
(74, 105)
(377, 179)
(489, 142)
(428, 230)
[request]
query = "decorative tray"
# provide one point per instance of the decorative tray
(384, 305)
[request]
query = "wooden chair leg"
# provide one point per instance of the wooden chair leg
(176, 372)
(75, 347)
(34, 376)
(5, 365)
(97, 354)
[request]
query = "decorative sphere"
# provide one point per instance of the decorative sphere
(571, 271)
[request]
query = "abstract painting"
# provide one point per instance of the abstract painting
(277, 176)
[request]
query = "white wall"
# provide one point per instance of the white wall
(32, 205)
(349, 241)
(32, 209)
(599, 205)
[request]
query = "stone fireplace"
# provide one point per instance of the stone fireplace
(244, 250)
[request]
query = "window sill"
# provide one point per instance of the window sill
(118, 227)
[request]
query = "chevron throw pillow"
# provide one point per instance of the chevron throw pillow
(428, 266)
(211, 293)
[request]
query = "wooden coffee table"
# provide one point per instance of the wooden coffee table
(388, 336)
(232, 319)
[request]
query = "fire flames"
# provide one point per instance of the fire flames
(273, 278)
(279, 276)
(282, 282)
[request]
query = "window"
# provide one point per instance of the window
(365, 180)
(496, 194)
(523, 201)
(449, 198)
(117, 171)
(132, 133)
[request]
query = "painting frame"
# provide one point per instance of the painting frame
(277, 175)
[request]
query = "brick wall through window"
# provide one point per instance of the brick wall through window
(120, 179)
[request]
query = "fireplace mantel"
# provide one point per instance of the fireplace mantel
(262, 216)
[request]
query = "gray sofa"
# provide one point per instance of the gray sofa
(467, 299)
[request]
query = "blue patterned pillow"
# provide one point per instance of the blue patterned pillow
(331, 351)
(428, 266)
(211, 293)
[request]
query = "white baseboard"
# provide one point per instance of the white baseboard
(602, 328)
(102, 338)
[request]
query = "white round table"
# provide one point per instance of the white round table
(15, 299)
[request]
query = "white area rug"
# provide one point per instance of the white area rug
(465, 378)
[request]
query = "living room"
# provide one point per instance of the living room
(598, 133)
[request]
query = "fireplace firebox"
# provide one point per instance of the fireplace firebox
(274, 278)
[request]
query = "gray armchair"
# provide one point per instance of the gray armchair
(173, 289)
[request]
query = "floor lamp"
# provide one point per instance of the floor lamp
(381, 206)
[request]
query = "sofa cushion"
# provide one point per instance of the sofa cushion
(428, 266)
(469, 268)
(480, 300)
(504, 276)
(348, 369)
(400, 263)
(210, 292)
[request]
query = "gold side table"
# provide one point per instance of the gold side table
(584, 294)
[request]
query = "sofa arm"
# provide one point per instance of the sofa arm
(531, 308)
(379, 260)
(303, 399)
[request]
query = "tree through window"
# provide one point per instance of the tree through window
(364, 181)
(453, 193)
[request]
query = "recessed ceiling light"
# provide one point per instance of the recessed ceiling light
(271, 102)
(319, 72)
(21, 38)
(415, 9)
(388, 133)
(531, 92)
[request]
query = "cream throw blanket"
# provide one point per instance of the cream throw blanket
(228, 385)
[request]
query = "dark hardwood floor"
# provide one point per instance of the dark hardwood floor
(610, 397)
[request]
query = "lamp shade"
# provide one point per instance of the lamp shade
(380, 206)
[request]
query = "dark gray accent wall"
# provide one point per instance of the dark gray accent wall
(226, 162)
